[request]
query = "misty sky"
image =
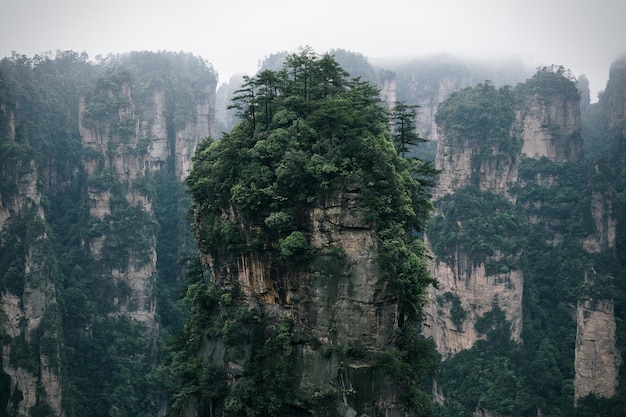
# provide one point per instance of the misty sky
(585, 36)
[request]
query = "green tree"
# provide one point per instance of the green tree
(403, 133)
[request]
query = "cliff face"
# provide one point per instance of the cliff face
(29, 305)
(550, 128)
(465, 163)
(345, 302)
(128, 147)
(78, 230)
(316, 282)
(597, 358)
(466, 288)
(465, 292)
(533, 162)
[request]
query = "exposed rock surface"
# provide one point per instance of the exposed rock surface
(120, 150)
(550, 128)
(154, 140)
(464, 162)
(597, 359)
(470, 288)
(346, 300)
(605, 224)
(38, 382)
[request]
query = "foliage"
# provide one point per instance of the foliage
(305, 131)
(550, 81)
(487, 376)
(562, 205)
(453, 302)
(13, 255)
(193, 376)
(42, 93)
(484, 226)
(403, 132)
(483, 112)
(113, 370)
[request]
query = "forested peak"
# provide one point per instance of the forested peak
(354, 63)
(305, 81)
(482, 111)
(554, 80)
(306, 131)
(310, 177)
(65, 57)
(618, 67)
(616, 85)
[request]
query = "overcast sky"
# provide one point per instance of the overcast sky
(585, 36)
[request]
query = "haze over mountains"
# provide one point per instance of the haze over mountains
(235, 35)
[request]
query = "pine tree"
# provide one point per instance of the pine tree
(403, 132)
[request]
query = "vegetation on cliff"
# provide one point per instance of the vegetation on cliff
(107, 362)
(539, 228)
(306, 133)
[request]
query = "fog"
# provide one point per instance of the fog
(234, 35)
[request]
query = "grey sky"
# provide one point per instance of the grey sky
(233, 35)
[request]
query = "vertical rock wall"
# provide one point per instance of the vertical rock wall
(344, 302)
(28, 309)
(131, 160)
(597, 358)
(467, 286)
(548, 128)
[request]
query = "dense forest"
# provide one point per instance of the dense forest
(151, 264)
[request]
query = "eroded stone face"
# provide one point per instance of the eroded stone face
(605, 224)
(124, 160)
(341, 299)
(23, 313)
(597, 358)
(475, 292)
(549, 129)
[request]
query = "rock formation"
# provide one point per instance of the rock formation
(312, 274)
(597, 358)
(29, 306)
(465, 293)
(545, 132)
(101, 143)
(130, 157)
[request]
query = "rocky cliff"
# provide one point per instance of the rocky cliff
(315, 283)
(464, 293)
(81, 148)
(29, 305)
(550, 128)
(597, 358)
(598, 355)
(344, 304)
(528, 150)
(127, 146)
